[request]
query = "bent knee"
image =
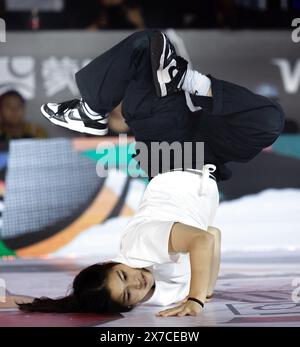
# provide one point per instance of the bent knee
(145, 33)
(141, 39)
(280, 116)
(275, 120)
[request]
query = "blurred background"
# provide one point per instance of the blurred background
(138, 14)
(53, 203)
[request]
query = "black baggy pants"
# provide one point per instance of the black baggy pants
(235, 124)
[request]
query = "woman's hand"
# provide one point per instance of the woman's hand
(190, 308)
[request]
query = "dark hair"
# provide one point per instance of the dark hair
(12, 93)
(89, 294)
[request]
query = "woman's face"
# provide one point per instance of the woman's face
(129, 286)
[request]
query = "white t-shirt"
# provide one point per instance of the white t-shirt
(177, 196)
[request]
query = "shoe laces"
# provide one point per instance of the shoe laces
(182, 66)
(66, 105)
(181, 63)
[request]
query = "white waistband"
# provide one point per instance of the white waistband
(206, 172)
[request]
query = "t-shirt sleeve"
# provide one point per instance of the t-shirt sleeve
(149, 241)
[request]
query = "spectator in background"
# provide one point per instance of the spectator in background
(104, 14)
(115, 14)
(12, 118)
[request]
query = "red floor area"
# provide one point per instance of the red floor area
(19, 319)
(251, 291)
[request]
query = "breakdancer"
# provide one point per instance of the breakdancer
(170, 253)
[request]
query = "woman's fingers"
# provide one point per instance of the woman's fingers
(190, 308)
(186, 312)
(170, 312)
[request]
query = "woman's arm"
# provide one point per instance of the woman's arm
(200, 245)
(215, 267)
(216, 259)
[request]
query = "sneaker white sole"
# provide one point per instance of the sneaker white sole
(75, 127)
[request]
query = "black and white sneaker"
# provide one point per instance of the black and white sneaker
(75, 115)
(168, 68)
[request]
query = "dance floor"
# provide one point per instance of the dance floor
(257, 289)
